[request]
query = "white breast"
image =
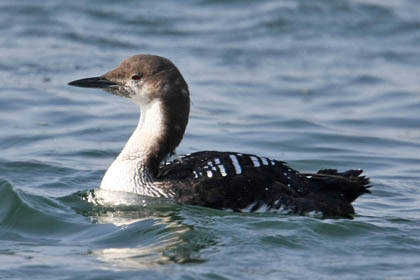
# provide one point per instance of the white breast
(121, 176)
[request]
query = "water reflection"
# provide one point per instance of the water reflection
(133, 231)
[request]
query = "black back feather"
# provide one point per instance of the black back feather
(240, 182)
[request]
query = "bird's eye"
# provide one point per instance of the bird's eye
(135, 77)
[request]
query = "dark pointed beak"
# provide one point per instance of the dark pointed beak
(94, 82)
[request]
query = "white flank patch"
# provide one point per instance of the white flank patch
(264, 160)
(281, 210)
(236, 165)
(222, 170)
(195, 174)
(273, 162)
(264, 208)
(255, 161)
(217, 161)
(209, 174)
(249, 207)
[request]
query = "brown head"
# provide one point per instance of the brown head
(145, 79)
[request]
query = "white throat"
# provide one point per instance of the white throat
(129, 172)
(149, 129)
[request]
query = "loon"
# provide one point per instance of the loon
(221, 180)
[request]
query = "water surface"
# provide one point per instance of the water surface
(318, 84)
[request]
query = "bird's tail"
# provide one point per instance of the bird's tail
(349, 184)
(338, 189)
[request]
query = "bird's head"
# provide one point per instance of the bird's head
(142, 78)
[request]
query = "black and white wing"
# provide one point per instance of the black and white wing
(245, 182)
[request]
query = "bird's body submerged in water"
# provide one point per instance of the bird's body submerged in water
(223, 180)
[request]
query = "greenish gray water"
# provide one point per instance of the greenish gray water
(318, 84)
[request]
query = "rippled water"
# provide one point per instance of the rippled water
(330, 83)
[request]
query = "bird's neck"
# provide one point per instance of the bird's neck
(148, 145)
(160, 130)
